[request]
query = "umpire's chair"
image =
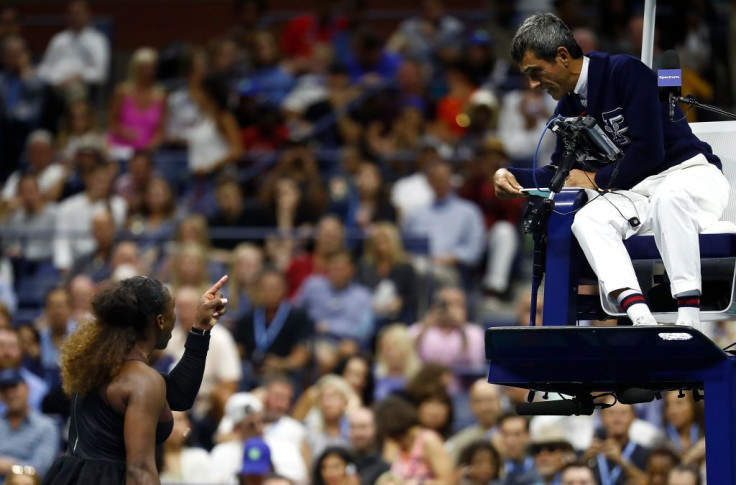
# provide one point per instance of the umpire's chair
(633, 363)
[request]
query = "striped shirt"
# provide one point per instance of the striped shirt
(34, 443)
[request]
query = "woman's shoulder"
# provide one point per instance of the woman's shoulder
(135, 377)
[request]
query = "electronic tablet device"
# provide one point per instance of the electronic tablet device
(537, 192)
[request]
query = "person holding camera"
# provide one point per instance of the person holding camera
(445, 336)
(668, 181)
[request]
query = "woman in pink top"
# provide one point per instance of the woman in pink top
(416, 454)
(137, 108)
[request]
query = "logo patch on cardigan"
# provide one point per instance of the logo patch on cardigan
(616, 126)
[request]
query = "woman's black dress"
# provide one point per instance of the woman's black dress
(96, 453)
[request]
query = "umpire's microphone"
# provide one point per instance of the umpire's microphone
(669, 80)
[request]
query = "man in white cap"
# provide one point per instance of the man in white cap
(242, 422)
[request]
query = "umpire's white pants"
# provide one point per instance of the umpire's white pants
(676, 205)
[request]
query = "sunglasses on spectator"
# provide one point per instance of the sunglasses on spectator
(549, 447)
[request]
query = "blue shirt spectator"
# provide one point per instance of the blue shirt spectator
(340, 308)
(28, 438)
(454, 226)
(10, 357)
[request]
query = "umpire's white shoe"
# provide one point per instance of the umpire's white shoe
(645, 320)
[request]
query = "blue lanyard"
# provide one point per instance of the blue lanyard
(675, 436)
(610, 477)
(512, 469)
(264, 337)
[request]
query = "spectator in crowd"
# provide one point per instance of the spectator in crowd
(525, 114)
(502, 218)
(90, 151)
(415, 453)
(40, 156)
(356, 370)
(126, 261)
(329, 238)
(396, 361)
(370, 63)
(29, 438)
(81, 291)
(192, 229)
(97, 264)
(335, 466)
(183, 111)
(183, 463)
(327, 422)
(256, 462)
(57, 326)
(274, 336)
(684, 426)
(551, 452)
(400, 136)
(78, 124)
(618, 459)
(27, 238)
(245, 412)
(233, 212)
(485, 404)
(268, 79)
(10, 359)
(305, 34)
(454, 228)
(478, 463)
(23, 97)
(285, 205)
(339, 306)
(277, 402)
(73, 224)
(133, 184)
(333, 121)
(213, 141)
(78, 56)
(137, 109)
(368, 460)
(30, 347)
(436, 412)
(518, 465)
(246, 264)
(661, 461)
(154, 224)
(222, 373)
(577, 474)
(414, 192)
(445, 336)
(189, 267)
(369, 204)
(430, 37)
(224, 61)
(451, 111)
(481, 115)
(684, 475)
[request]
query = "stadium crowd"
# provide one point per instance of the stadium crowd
(343, 179)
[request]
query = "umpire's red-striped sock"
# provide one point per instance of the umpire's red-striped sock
(688, 309)
(635, 306)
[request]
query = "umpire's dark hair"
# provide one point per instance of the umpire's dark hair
(543, 33)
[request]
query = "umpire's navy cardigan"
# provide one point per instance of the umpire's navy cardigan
(623, 98)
